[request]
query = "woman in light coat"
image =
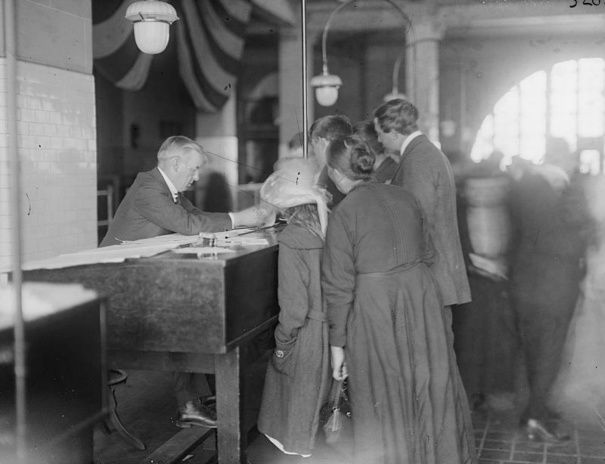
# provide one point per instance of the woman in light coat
(298, 376)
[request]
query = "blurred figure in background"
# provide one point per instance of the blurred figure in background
(295, 146)
(485, 336)
(493, 163)
(549, 223)
(212, 193)
(385, 166)
(518, 167)
(580, 389)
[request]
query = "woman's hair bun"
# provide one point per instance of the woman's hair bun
(362, 158)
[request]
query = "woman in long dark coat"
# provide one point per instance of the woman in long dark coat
(298, 375)
(386, 324)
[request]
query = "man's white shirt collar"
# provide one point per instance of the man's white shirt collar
(171, 187)
(408, 140)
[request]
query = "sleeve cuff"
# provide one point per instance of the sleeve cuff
(337, 323)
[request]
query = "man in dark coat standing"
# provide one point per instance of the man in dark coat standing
(551, 223)
(154, 205)
(425, 172)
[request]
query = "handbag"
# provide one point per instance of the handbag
(336, 414)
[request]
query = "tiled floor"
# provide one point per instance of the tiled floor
(147, 408)
(499, 441)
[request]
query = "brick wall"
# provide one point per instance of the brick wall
(57, 148)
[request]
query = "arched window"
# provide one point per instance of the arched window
(566, 101)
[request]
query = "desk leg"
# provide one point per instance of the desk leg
(231, 439)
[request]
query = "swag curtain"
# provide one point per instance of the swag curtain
(209, 39)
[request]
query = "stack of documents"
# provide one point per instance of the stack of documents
(116, 253)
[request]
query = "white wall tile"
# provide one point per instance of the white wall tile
(57, 149)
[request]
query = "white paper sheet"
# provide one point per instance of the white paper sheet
(180, 239)
(247, 240)
(145, 248)
(110, 254)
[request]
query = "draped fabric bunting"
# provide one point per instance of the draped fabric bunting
(209, 38)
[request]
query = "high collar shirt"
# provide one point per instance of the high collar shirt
(408, 140)
(171, 187)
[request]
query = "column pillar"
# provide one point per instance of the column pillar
(422, 73)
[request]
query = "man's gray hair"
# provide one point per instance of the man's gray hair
(178, 145)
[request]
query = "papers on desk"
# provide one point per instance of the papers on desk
(114, 254)
(228, 233)
(193, 250)
(178, 239)
(242, 241)
(234, 238)
(148, 247)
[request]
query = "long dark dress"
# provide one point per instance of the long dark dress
(383, 303)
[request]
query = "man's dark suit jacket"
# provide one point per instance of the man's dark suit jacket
(149, 210)
(425, 172)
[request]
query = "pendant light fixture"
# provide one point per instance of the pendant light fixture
(326, 85)
(152, 20)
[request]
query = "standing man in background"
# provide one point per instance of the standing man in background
(425, 172)
(154, 205)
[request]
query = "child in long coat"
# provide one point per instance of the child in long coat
(298, 376)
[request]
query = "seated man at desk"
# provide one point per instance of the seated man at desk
(155, 206)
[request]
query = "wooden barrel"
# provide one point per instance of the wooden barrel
(487, 215)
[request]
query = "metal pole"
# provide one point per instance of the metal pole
(303, 26)
(10, 39)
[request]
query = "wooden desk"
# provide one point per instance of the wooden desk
(183, 313)
(65, 383)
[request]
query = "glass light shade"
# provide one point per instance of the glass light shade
(151, 36)
(152, 19)
(326, 96)
(326, 88)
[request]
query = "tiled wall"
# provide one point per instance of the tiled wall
(57, 148)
